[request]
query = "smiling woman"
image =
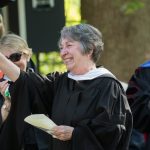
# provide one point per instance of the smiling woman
(79, 52)
(87, 103)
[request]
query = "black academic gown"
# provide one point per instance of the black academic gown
(97, 109)
(138, 93)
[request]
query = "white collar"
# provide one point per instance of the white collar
(92, 74)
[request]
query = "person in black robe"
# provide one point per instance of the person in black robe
(88, 104)
(16, 49)
(139, 99)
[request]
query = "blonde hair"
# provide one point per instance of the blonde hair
(15, 42)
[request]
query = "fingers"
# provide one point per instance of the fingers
(4, 114)
(5, 110)
(60, 137)
(63, 133)
(58, 132)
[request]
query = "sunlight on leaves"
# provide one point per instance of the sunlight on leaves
(72, 12)
(132, 7)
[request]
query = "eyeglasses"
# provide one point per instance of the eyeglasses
(15, 57)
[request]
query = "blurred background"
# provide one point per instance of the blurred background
(125, 25)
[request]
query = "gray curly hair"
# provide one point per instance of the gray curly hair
(89, 37)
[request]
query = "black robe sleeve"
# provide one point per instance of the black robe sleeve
(138, 93)
(110, 128)
(27, 96)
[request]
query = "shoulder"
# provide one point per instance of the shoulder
(139, 82)
(109, 79)
(142, 73)
(110, 83)
(145, 64)
(143, 69)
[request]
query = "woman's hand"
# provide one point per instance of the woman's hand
(6, 104)
(5, 109)
(62, 132)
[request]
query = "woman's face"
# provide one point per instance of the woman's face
(75, 61)
(14, 57)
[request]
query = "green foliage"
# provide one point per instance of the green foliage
(132, 6)
(72, 12)
(50, 62)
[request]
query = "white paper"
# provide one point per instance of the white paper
(40, 121)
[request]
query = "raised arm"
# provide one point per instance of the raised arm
(8, 68)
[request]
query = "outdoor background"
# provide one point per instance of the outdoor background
(125, 25)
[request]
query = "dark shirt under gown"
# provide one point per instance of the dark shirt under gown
(97, 109)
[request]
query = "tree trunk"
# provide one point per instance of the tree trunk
(126, 37)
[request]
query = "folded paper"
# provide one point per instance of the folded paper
(40, 121)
